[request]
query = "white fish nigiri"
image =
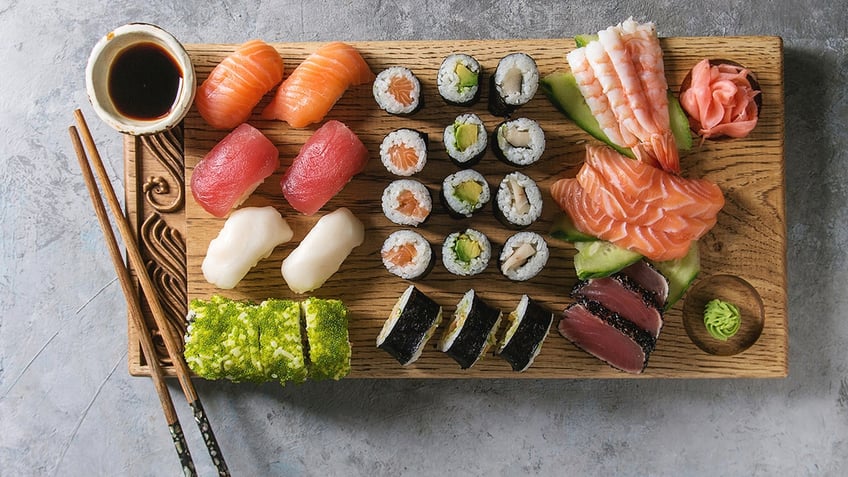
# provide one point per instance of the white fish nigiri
(249, 235)
(323, 250)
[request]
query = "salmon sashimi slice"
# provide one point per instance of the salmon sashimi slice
(622, 77)
(226, 98)
(410, 206)
(312, 89)
(590, 218)
(402, 255)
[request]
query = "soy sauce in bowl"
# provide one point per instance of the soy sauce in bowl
(144, 81)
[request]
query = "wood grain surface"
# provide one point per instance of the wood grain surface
(749, 240)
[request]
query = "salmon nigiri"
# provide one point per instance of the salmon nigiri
(312, 89)
(234, 87)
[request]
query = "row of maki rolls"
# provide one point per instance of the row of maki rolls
(514, 83)
(474, 329)
(518, 142)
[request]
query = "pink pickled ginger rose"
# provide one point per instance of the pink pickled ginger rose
(720, 100)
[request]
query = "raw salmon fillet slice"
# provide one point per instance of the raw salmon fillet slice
(228, 95)
(312, 89)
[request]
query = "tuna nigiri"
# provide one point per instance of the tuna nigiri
(233, 169)
(328, 161)
(227, 97)
(312, 89)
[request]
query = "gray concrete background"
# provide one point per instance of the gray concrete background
(68, 406)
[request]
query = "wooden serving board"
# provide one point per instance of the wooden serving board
(749, 240)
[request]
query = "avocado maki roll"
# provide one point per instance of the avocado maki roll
(472, 330)
(519, 142)
(407, 254)
(398, 91)
(524, 255)
(329, 345)
(465, 140)
(528, 327)
(459, 80)
(412, 322)
(466, 253)
(514, 83)
(464, 193)
(518, 202)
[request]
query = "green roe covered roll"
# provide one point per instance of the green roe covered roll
(329, 345)
(280, 340)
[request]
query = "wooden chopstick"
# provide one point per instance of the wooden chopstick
(172, 341)
(146, 339)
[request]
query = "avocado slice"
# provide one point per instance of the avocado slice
(465, 134)
(467, 78)
(561, 89)
(466, 248)
(468, 191)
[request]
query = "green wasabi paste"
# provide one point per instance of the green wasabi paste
(722, 319)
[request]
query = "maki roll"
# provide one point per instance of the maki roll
(465, 140)
(459, 80)
(471, 331)
(529, 324)
(466, 253)
(519, 142)
(407, 202)
(524, 255)
(398, 91)
(514, 83)
(518, 202)
(404, 151)
(464, 193)
(412, 322)
(407, 254)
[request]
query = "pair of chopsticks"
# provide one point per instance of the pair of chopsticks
(170, 338)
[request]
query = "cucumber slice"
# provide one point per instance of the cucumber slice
(563, 228)
(601, 259)
(680, 272)
(583, 40)
(561, 89)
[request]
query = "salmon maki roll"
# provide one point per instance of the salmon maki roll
(234, 87)
(315, 86)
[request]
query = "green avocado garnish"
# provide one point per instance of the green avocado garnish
(467, 78)
(465, 134)
(466, 248)
(469, 192)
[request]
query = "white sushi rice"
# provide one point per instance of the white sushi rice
(519, 199)
(386, 100)
(510, 65)
(524, 255)
(459, 206)
(449, 82)
(462, 268)
(521, 154)
(474, 150)
(458, 322)
(391, 202)
(423, 254)
(404, 137)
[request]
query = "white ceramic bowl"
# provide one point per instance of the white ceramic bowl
(97, 78)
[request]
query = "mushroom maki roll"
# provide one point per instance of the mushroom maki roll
(524, 255)
(407, 202)
(404, 151)
(528, 327)
(519, 142)
(407, 254)
(459, 80)
(514, 83)
(398, 91)
(412, 322)
(518, 202)
(464, 193)
(465, 140)
(472, 330)
(466, 253)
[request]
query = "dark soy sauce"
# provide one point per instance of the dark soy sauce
(144, 81)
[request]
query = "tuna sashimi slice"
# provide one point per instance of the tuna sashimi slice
(650, 279)
(607, 336)
(621, 295)
(328, 161)
(233, 169)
